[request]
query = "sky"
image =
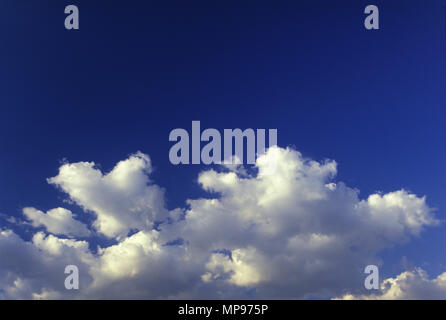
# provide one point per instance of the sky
(366, 106)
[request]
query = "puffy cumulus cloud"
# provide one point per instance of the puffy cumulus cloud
(239, 268)
(35, 269)
(409, 285)
(55, 246)
(297, 232)
(143, 266)
(122, 200)
(287, 231)
(124, 259)
(58, 221)
(135, 268)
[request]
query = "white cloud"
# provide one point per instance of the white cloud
(58, 221)
(54, 245)
(409, 285)
(241, 267)
(292, 234)
(310, 236)
(123, 199)
(35, 270)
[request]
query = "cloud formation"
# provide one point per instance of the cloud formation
(409, 285)
(122, 200)
(58, 221)
(296, 233)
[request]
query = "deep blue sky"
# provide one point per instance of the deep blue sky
(372, 100)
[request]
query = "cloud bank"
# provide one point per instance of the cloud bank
(409, 285)
(57, 221)
(291, 233)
